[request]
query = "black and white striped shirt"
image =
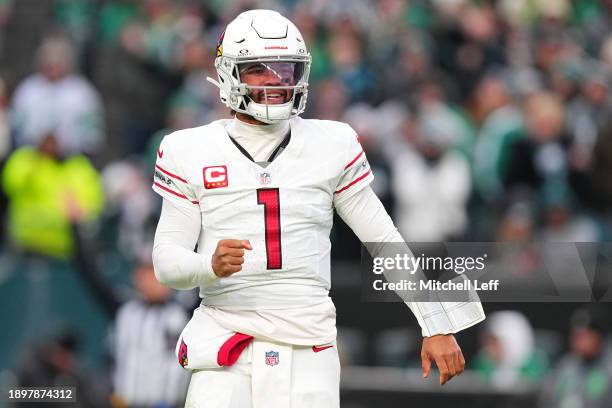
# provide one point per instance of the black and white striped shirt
(147, 372)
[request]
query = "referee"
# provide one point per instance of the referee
(147, 373)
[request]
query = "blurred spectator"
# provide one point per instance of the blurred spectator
(540, 161)
(562, 223)
(517, 230)
(587, 114)
(56, 363)
(431, 182)
(402, 79)
(195, 98)
(501, 124)
(134, 85)
(48, 193)
(517, 224)
(583, 377)
(130, 205)
(114, 16)
(331, 102)
(56, 99)
(469, 42)
(508, 354)
(313, 32)
(348, 65)
(77, 17)
(48, 196)
(147, 373)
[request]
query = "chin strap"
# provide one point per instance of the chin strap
(241, 88)
(214, 82)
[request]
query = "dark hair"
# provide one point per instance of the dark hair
(589, 317)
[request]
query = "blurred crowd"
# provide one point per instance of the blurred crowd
(483, 120)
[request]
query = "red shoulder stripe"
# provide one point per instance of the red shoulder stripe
(174, 192)
(354, 160)
(353, 182)
(157, 166)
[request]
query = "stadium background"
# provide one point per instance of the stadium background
(502, 108)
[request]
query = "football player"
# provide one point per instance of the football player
(255, 195)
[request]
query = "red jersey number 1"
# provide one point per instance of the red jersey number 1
(269, 198)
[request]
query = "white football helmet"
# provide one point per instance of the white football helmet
(264, 39)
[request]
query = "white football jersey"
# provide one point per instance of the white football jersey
(284, 209)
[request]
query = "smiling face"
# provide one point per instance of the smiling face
(263, 74)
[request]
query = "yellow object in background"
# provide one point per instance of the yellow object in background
(45, 196)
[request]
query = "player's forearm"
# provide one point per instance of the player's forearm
(180, 268)
(176, 264)
(368, 219)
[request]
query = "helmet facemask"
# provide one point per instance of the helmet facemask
(274, 75)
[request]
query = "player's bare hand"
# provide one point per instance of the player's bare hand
(446, 353)
(229, 256)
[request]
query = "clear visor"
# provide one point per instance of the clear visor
(272, 73)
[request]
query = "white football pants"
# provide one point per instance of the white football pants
(270, 375)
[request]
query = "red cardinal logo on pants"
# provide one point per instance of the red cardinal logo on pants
(182, 354)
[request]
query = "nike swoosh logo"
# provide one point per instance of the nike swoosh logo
(319, 349)
(160, 153)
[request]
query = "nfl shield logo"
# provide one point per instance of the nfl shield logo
(272, 358)
(265, 178)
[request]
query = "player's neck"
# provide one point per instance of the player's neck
(245, 128)
(258, 140)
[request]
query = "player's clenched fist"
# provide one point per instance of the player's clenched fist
(229, 256)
